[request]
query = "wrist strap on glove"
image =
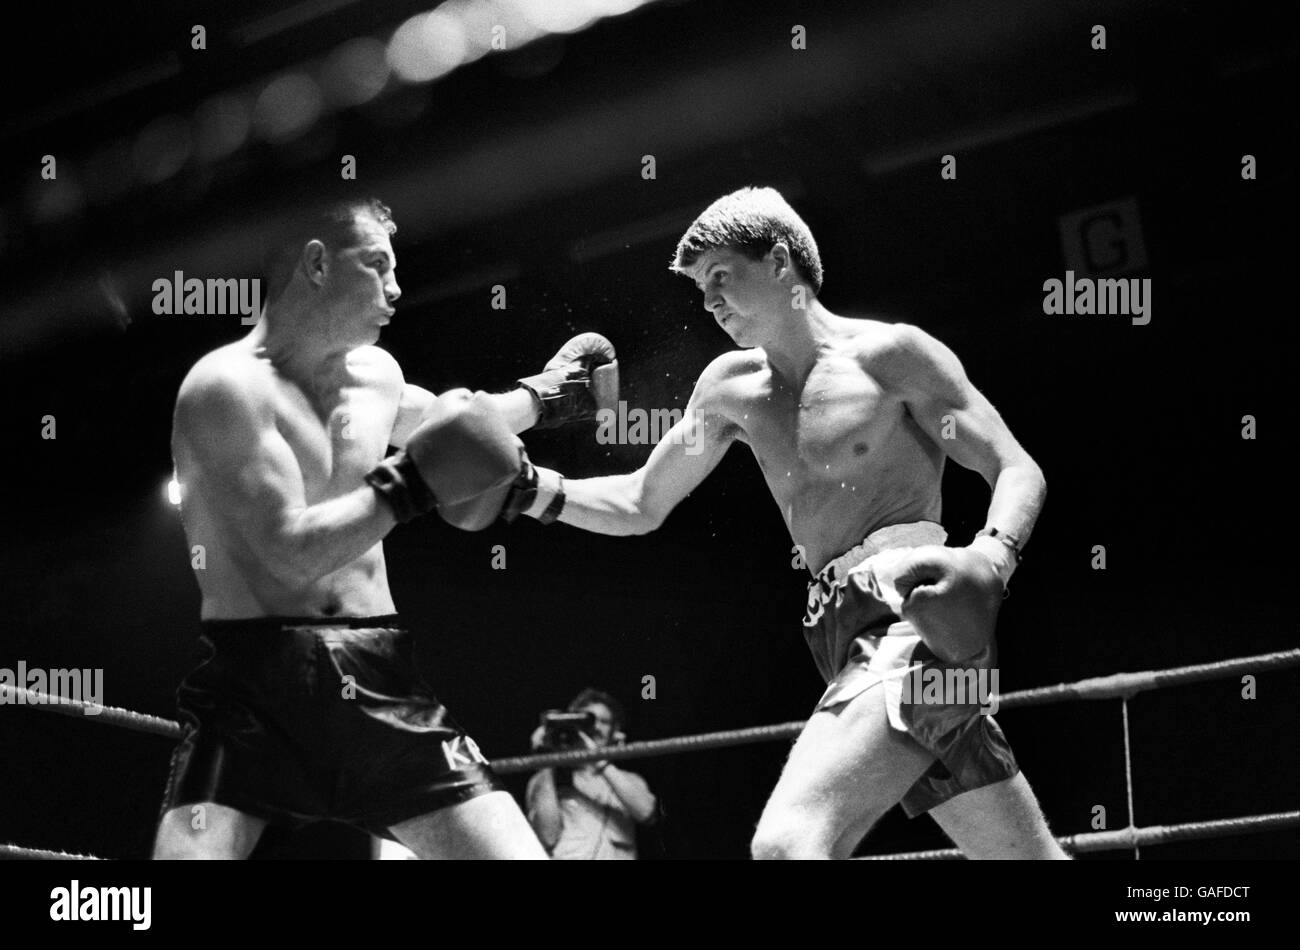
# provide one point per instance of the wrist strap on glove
(1002, 550)
(535, 492)
(398, 482)
(561, 396)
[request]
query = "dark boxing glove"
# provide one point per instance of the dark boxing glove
(951, 596)
(465, 462)
(579, 381)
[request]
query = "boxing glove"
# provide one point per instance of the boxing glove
(951, 596)
(579, 381)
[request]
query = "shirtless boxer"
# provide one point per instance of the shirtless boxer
(851, 422)
(307, 705)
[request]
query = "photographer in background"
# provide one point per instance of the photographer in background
(591, 812)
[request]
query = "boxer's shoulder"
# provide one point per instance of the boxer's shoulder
(733, 371)
(877, 343)
(728, 380)
(375, 366)
(229, 379)
(734, 364)
(902, 354)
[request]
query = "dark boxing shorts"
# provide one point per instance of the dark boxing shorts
(298, 720)
(859, 643)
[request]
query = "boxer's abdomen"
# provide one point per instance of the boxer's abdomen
(883, 470)
(236, 584)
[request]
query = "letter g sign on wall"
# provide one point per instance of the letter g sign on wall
(1105, 239)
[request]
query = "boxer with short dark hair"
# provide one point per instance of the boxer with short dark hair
(307, 705)
(851, 422)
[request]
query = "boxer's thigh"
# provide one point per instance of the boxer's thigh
(998, 821)
(848, 767)
(489, 826)
(206, 830)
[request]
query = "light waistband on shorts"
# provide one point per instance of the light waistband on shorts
(263, 625)
(910, 535)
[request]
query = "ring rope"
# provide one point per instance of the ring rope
(1129, 837)
(1118, 685)
(1127, 684)
(108, 715)
(1115, 686)
(1103, 687)
(13, 852)
(1078, 844)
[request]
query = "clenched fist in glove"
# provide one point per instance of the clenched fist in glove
(951, 596)
(579, 381)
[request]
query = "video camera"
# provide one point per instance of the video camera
(562, 731)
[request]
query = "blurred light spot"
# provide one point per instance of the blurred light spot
(221, 127)
(174, 491)
(477, 19)
(161, 148)
(618, 7)
(287, 107)
(562, 17)
(427, 46)
(355, 73)
(482, 19)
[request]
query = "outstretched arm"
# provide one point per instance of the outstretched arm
(639, 501)
(518, 409)
(576, 381)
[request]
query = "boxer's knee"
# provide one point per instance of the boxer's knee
(206, 831)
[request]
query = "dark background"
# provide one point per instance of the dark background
(524, 168)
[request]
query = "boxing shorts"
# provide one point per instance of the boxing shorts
(297, 720)
(859, 642)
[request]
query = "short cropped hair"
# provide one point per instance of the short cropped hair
(750, 221)
(333, 223)
(588, 696)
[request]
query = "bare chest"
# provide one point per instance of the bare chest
(836, 426)
(337, 437)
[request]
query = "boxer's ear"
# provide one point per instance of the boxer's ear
(314, 263)
(780, 255)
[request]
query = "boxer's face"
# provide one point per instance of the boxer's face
(361, 283)
(743, 295)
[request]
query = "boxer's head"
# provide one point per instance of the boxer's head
(335, 264)
(748, 253)
(607, 710)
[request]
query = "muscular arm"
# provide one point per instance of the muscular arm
(639, 501)
(517, 408)
(934, 386)
(227, 438)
